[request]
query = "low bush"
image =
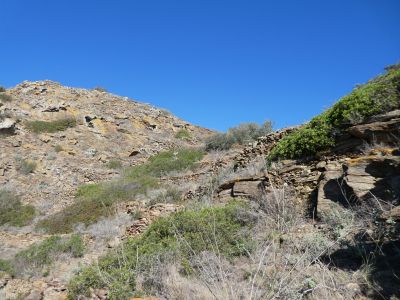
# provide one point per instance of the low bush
(166, 162)
(184, 234)
(26, 166)
(7, 267)
(114, 164)
(379, 95)
(13, 212)
(241, 134)
(58, 148)
(94, 201)
(169, 195)
(2, 89)
(50, 126)
(183, 134)
(5, 97)
(100, 89)
(37, 257)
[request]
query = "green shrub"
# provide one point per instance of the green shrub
(166, 162)
(94, 201)
(5, 97)
(13, 212)
(184, 234)
(26, 166)
(50, 126)
(43, 254)
(241, 134)
(219, 141)
(2, 89)
(114, 164)
(379, 95)
(183, 134)
(74, 245)
(304, 142)
(7, 267)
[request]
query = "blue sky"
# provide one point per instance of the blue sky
(213, 63)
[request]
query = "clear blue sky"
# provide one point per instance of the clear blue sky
(213, 63)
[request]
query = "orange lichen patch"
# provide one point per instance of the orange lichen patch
(358, 160)
(374, 154)
(73, 111)
(382, 151)
(103, 126)
(25, 106)
(138, 124)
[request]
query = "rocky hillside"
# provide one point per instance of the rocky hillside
(54, 139)
(105, 130)
(308, 212)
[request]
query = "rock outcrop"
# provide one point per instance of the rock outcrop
(370, 167)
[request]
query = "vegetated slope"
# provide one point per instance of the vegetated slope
(322, 228)
(380, 95)
(56, 139)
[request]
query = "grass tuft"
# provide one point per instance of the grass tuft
(50, 126)
(183, 134)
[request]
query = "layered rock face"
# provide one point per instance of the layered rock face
(108, 128)
(365, 163)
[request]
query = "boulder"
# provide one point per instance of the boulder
(7, 126)
(247, 188)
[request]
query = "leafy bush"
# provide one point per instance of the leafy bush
(94, 201)
(5, 97)
(2, 89)
(303, 142)
(26, 166)
(241, 134)
(379, 95)
(183, 134)
(43, 254)
(13, 212)
(50, 126)
(184, 234)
